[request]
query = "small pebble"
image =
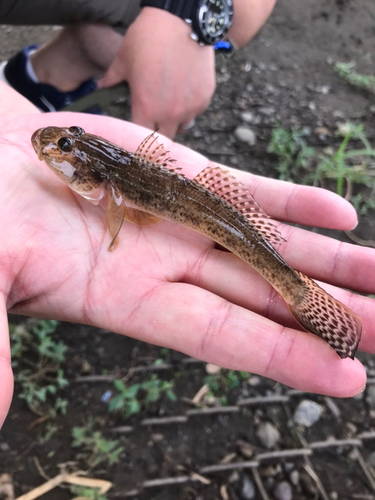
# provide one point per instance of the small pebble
(268, 435)
(370, 398)
(247, 488)
(371, 459)
(247, 117)
(307, 413)
(267, 110)
(4, 447)
(283, 491)
(212, 369)
(245, 134)
(294, 477)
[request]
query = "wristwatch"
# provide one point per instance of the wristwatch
(210, 20)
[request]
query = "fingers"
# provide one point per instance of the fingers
(305, 205)
(205, 326)
(6, 376)
(323, 258)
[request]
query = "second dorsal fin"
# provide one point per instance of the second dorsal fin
(223, 184)
(152, 151)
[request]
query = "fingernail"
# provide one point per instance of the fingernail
(362, 390)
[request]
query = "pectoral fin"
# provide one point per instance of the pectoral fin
(114, 217)
(140, 218)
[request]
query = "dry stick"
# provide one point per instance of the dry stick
(40, 469)
(364, 468)
(100, 484)
(360, 241)
(259, 483)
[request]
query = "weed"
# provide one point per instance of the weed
(303, 164)
(223, 382)
(96, 449)
(351, 165)
(36, 358)
(345, 71)
(133, 398)
(293, 153)
(87, 493)
(51, 430)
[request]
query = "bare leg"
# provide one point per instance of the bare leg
(77, 53)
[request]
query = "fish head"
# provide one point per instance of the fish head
(64, 151)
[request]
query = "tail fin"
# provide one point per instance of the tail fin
(321, 314)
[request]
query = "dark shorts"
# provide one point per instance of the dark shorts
(119, 14)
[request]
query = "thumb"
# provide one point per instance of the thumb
(112, 77)
(6, 376)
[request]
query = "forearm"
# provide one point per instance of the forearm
(249, 18)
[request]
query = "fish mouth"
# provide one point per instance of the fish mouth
(35, 141)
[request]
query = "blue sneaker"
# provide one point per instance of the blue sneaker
(44, 96)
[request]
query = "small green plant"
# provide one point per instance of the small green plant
(50, 431)
(96, 449)
(345, 163)
(131, 399)
(345, 71)
(36, 363)
(87, 493)
(302, 164)
(294, 156)
(223, 382)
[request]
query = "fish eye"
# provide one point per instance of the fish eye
(76, 131)
(65, 144)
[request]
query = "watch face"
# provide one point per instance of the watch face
(214, 20)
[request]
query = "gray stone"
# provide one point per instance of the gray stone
(247, 117)
(283, 491)
(307, 413)
(267, 110)
(371, 459)
(294, 477)
(245, 134)
(370, 398)
(247, 488)
(268, 435)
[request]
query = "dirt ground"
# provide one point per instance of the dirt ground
(286, 75)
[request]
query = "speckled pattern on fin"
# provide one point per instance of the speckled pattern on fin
(222, 183)
(320, 313)
(140, 218)
(152, 151)
(114, 217)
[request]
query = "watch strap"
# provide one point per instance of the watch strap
(180, 8)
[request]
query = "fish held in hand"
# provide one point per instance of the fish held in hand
(147, 186)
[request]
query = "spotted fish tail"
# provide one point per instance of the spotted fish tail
(321, 314)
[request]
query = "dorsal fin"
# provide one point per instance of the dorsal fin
(223, 184)
(152, 151)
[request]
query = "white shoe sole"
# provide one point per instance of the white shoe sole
(3, 79)
(2, 73)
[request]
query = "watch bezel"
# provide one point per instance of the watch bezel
(199, 21)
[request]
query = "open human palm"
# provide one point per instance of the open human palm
(165, 284)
